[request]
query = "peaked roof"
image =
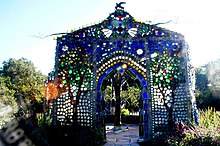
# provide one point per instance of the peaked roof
(120, 24)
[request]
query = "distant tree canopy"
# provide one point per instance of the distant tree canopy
(20, 80)
(208, 85)
(130, 96)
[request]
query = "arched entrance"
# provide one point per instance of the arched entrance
(126, 57)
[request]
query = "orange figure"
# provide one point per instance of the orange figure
(50, 91)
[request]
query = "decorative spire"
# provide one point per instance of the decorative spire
(118, 6)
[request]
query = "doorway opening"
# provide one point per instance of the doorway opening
(122, 102)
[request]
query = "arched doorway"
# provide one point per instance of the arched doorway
(120, 64)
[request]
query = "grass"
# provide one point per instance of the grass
(209, 118)
(206, 133)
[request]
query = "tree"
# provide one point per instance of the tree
(207, 85)
(6, 95)
(203, 93)
(213, 74)
(8, 105)
(108, 93)
(25, 81)
(131, 98)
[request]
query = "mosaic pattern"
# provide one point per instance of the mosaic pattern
(156, 58)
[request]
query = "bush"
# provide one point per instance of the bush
(207, 133)
(41, 133)
(125, 112)
(76, 135)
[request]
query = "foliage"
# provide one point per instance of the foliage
(207, 85)
(203, 93)
(108, 93)
(98, 136)
(77, 135)
(42, 133)
(201, 78)
(209, 118)
(6, 95)
(130, 96)
(213, 74)
(39, 135)
(207, 133)
(8, 105)
(43, 120)
(26, 83)
(125, 112)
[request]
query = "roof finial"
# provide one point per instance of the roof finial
(118, 5)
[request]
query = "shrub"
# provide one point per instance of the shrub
(125, 112)
(207, 133)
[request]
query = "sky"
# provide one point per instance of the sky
(23, 22)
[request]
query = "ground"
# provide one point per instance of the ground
(127, 136)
